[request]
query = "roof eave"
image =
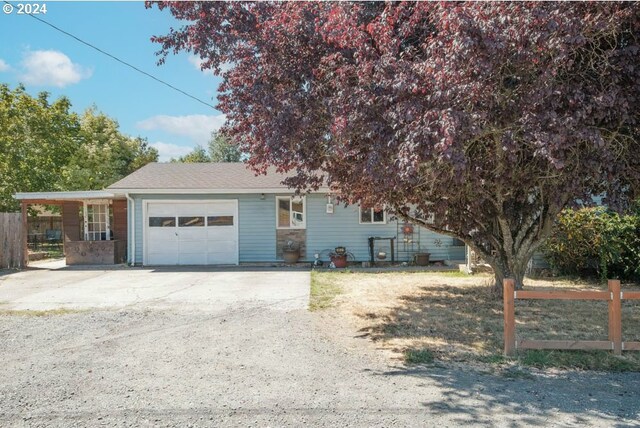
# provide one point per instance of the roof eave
(192, 191)
(62, 196)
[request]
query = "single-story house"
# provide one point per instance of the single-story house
(222, 213)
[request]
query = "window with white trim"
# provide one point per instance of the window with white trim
(373, 216)
(96, 221)
(290, 212)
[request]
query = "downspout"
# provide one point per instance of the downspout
(131, 230)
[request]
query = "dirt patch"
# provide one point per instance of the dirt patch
(459, 318)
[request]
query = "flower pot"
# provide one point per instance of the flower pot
(290, 256)
(422, 259)
(339, 260)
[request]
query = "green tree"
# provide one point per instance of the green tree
(37, 138)
(44, 146)
(197, 155)
(221, 149)
(104, 155)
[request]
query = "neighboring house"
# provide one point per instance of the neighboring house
(222, 213)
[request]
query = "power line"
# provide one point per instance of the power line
(118, 59)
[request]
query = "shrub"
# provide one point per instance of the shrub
(595, 241)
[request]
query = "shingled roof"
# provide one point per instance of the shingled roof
(198, 176)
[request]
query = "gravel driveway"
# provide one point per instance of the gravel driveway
(260, 364)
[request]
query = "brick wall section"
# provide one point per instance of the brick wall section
(119, 225)
(71, 221)
(91, 252)
(299, 236)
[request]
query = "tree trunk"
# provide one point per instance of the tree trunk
(503, 269)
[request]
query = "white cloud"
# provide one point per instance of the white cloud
(166, 151)
(197, 127)
(4, 66)
(196, 61)
(52, 68)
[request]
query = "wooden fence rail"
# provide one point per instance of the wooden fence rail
(12, 238)
(614, 296)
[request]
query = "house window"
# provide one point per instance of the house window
(222, 220)
(373, 216)
(290, 212)
(457, 243)
(162, 222)
(194, 221)
(96, 221)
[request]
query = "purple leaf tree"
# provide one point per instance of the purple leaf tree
(490, 117)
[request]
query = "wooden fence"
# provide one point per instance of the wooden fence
(614, 296)
(12, 254)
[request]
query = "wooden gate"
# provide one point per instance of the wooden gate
(12, 254)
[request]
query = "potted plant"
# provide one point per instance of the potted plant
(339, 257)
(291, 252)
(421, 258)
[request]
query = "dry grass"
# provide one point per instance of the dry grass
(39, 313)
(459, 318)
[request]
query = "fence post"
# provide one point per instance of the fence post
(615, 316)
(509, 317)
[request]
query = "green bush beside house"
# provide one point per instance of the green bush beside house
(596, 242)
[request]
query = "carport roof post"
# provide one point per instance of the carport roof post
(25, 231)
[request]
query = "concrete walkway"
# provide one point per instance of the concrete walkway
(52, 285)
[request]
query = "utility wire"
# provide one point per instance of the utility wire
(118, 59)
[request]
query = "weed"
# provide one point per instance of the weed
(418, 356)
(584, 360)
(324, 288)
(517, 373)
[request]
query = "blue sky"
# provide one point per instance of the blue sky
(44, 59)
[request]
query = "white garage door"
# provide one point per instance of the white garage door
(191, 233)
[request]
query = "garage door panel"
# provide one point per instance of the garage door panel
(192, 234)
(163, 259)
(186, 209)
(221, 246)
(208, 235)
(162, 233)
(192, 247)
(192, 259)
(220, 233)
(159, 210)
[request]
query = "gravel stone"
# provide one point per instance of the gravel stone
(263, 367)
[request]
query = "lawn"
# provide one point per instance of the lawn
(452, 317)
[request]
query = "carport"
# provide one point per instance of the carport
(94, 224)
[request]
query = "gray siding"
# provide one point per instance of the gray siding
(343, 228)
(257, 228)
(538, 261)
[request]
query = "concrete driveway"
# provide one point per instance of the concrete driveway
(247, 360)
(52, 285)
